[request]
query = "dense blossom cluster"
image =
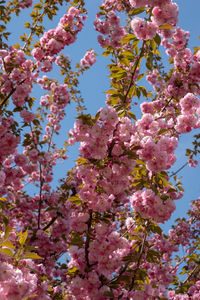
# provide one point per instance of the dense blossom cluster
(149, 204)
(16, 284)
(163, 12)
(89, 58)
(112, 28)
(96, 235)
(25, 3)
(17, 77)
(144, 31)
(54, 40)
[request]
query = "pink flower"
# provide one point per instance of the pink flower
(2, 178)
(138, 3)
(189, 103)
(21, 160)
(38, 53)
(165, 14)
(25, 3)
(89, 58)
(27, 116)
(142, 30)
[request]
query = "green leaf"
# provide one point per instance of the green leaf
(180, 188)
(137, 11)
(23, 237)
(127, 38)
(31, 296)
(131, 115)
(125, 61)
(72, 271)
(138, 92)
(111, 91)
(31, 255)
(5, 220)
(134, 44)
(121, 113)
(196, 49)
(27, 25)
(166, 26)
(155, 229)
(7, 244)
(7, 231)
(165, 182)
(36, 122)
(153, 44)
(80, 161)
(6, 251)
(113, 100)
(75, 199)
(162, 131)
(157, 39)
(107, 52)
(141, 76)
(3, 199)
(128, 54)
(188, 152)
(119, 75)
(76, 240)
(143, 90)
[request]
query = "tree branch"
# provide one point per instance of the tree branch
(40, 201)
(87, 242)
(135, 68)
(138, 263)
(174, 173)
(58, 214)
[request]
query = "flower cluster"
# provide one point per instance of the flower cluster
(17, 77)
(54, 40)
(104, 216)
(25, 3)
(112, 28)
(144, 31)
(148, 204)
(89, 58)
(16, 284)
(164, 12)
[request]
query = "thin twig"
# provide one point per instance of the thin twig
(40, 201)
(87, 242)
(190, 275)
(10, 94)
(58, 214)
(135, 69)
(35, 24)
(138, 263)
(174, 173)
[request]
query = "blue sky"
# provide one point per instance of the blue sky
(95, 82)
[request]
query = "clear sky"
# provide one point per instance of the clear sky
(95, 82)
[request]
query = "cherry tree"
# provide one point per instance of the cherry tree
(97, 235)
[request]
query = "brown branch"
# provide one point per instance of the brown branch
(87, 242)
(174, 173)
(163, 109)
(113, 142)
(113, 280)
(35, 24)
(10, 94)
(40, 201)
(190, 275)
(135, 69)
(58, 214)
(138, 263)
